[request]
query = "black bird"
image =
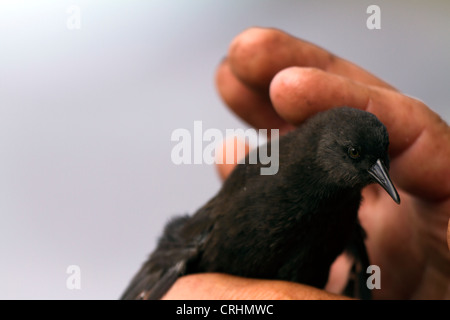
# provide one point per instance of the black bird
(288, 226)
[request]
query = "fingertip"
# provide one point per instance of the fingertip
(228, 154)
(253, 107)
(222, 77)
(297, 93)
(339, 273)
(256, 54)
(288, 95)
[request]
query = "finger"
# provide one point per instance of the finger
(255, 108)
(257, 54)
(419, 139)
(339, 273)
(227, 287)
(448, 234)
(232, 150)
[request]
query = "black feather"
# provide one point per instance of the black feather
(288, 226)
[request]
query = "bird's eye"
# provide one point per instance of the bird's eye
(353, 153)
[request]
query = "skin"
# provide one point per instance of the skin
(273, 80)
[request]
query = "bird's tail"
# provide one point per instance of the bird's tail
(166, 264)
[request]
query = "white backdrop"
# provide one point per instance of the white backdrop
(86, 116)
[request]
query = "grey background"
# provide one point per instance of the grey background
(86, 117)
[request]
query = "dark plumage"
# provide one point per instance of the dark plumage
(288, 226)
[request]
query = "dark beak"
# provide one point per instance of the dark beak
(380, 174)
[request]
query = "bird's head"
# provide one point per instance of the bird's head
(353, 149)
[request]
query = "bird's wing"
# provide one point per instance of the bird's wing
(175, 252)
(152, 281)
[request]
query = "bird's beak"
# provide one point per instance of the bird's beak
(379, 172)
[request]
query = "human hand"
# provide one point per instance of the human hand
(273, 80)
